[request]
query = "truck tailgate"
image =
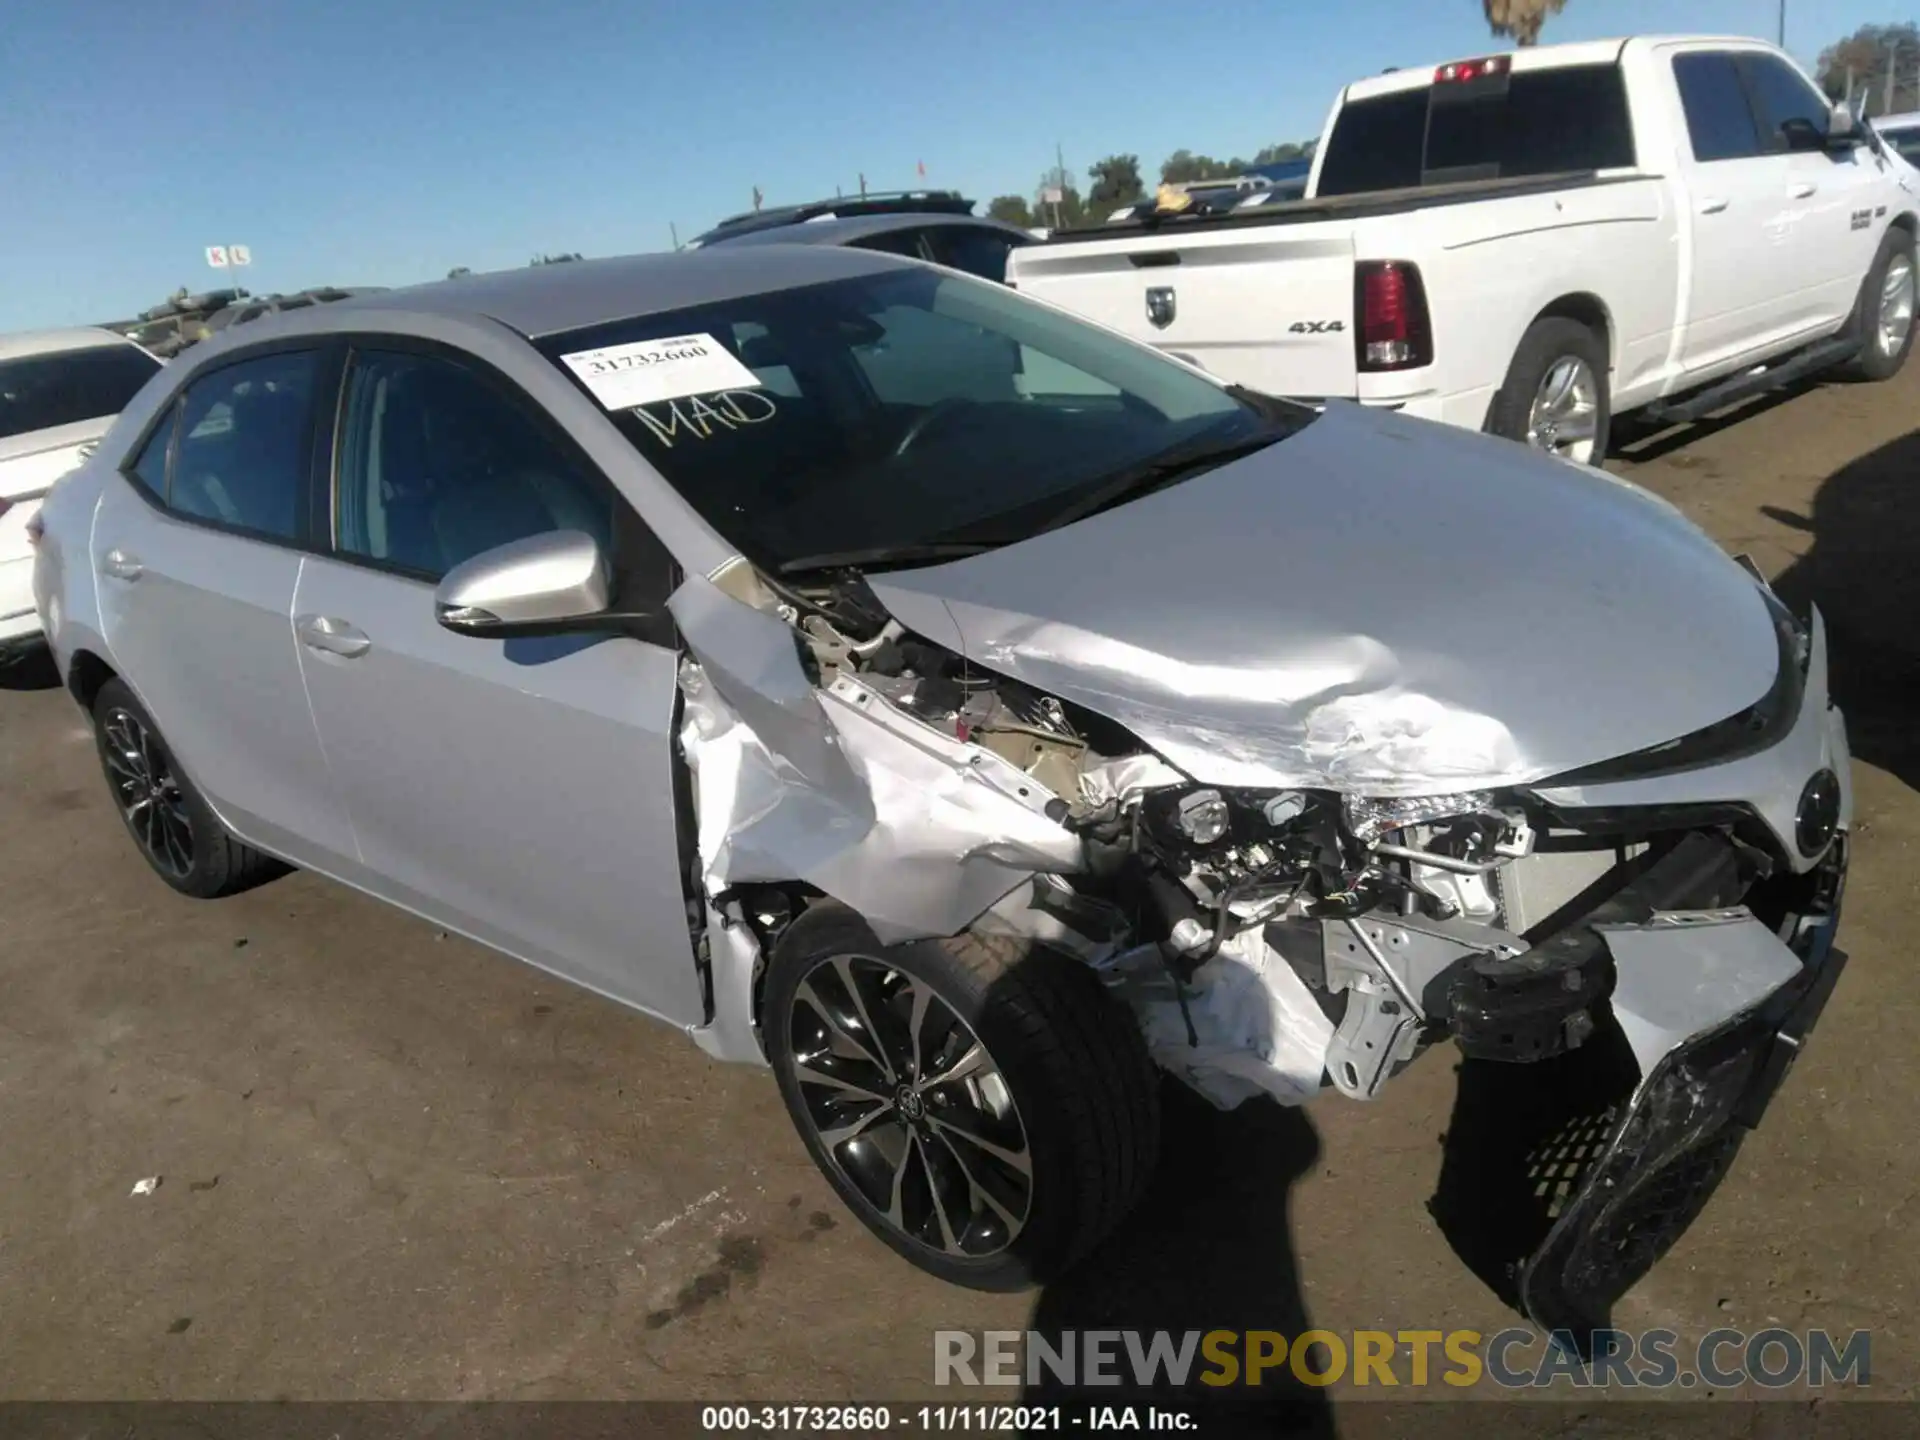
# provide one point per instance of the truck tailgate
(1269, 307)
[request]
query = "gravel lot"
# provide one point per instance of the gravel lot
(394, 1165)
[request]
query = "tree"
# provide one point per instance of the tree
(1011, 209)
(1116, 181)
(457, 271)
(1287, 150)
(1865, 59)
(1183, 167)
(1520, 19)
(554, 259)
(1070, 210)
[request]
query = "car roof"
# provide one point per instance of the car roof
(852, 229)
(542, 300)
(51, 342)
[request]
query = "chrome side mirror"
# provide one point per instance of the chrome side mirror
(544, 584)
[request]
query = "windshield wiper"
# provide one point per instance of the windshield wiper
(1138, 480)
(889, 555)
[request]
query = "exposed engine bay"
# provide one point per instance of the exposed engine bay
(1269, 941)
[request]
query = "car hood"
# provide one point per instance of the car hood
(1376, 605)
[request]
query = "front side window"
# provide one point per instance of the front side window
(244, 450)
(42, 392)
(1781, 93)
(900, 409)
(1719, 120)
(438, 464)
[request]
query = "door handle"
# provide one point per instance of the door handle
(1713, 205)
(121, 566)
(1802, 190)
(331, 636)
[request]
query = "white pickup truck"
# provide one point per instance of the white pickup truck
(1534, 243)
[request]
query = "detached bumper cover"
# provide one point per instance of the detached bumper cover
(1678, 1131)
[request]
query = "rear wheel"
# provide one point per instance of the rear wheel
(1883, 314)
(175, 829)
(1555, 394)
(980, 1103)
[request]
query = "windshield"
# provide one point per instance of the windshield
(40, 392)
(1903, 138)
(904, 408)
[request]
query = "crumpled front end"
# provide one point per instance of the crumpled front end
(1645, 942)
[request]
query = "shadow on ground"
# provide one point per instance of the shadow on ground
(32, 671)
(1211, 1248)
(1863, 571)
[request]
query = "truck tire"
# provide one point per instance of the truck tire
(1555, 394)
(173, 827)
(1884, 312)
(981, 1103)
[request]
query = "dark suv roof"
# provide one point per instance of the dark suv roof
(888, 202)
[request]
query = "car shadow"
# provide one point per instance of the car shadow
(1210, 1248)
(1639, 440)
(1861, 572)
(33, 671)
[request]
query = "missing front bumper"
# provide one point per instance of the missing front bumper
(1564, 1183)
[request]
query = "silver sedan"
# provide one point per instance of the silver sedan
(970, 713)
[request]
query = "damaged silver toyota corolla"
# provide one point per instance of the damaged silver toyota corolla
(966, 710)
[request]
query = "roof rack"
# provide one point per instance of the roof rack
(874, 202)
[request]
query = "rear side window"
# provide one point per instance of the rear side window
(895, 242)
(973, 249)
(1538, 122)
(438, 464)
(1719, 120)
(150, 470)
(1780, 94)
(41, 392)
(245, 445)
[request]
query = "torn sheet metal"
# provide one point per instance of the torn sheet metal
(1687, 972)
(917, 831)
(1258, 1028)
(1373, 649)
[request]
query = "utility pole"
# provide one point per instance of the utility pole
(1783, 25)
(674, 231)
(1893, 68)
(1059, 182)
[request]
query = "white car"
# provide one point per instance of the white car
(59, 392)
(1534, 243)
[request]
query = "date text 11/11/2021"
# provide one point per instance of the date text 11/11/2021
(981, 1419)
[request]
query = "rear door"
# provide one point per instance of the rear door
(1266, 306)
(1750, 286)
(197, 549)
(521, 791)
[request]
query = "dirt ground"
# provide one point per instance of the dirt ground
(393, 1165)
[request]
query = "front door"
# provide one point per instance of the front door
(196, 579)
(521, 791)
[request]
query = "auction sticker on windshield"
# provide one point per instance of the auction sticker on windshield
(623, 376)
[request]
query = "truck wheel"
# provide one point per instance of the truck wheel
(175, 829)
(1883, 315)
(981, 1103)
(1555, 394)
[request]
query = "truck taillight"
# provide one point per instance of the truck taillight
(1455, 71)
(1392, 331)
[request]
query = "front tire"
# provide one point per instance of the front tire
(1883, 314)
(174, 828)
(980, 1103)
(1555, 395)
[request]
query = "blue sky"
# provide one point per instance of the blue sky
(384, 141)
